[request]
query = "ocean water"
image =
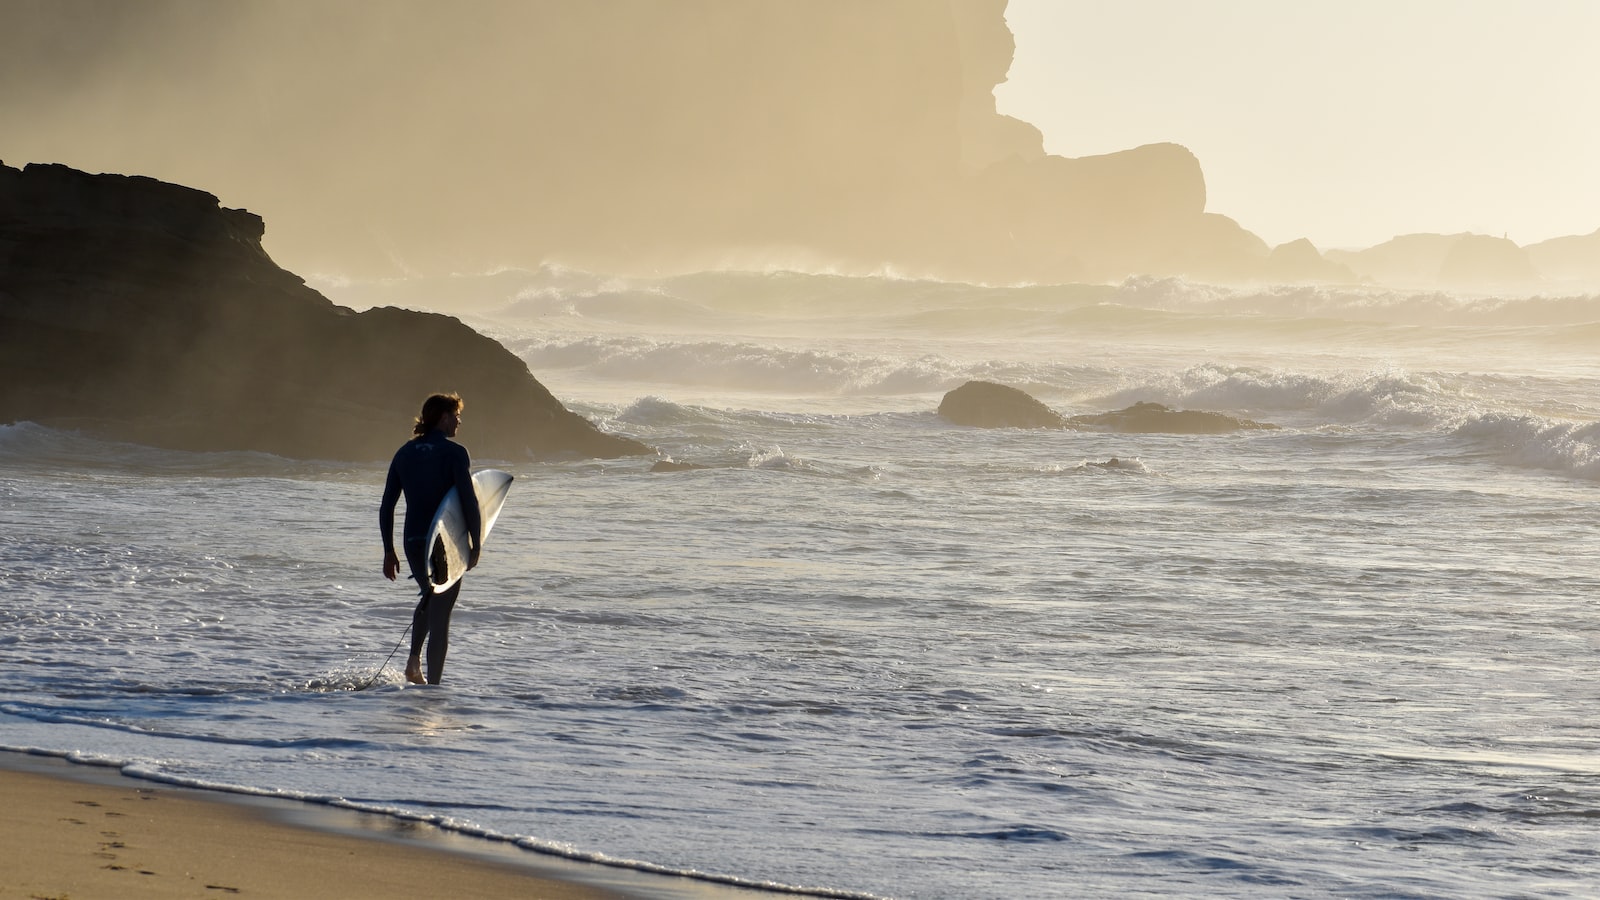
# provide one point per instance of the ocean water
(862, 652)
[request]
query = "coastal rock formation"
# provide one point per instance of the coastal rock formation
(984, 404)
(1479, 260)
(1155, 418)
(1442, 260)
(139, 310)
(1409, 260)
(672, 465)
(623, 137)
(632, 137)
(1096, 218)
(1568, 259)
(1299, 261)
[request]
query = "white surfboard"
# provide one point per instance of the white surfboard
(448, 541)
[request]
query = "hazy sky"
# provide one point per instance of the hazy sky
(1345, 121)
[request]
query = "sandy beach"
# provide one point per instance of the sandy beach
(89, 835)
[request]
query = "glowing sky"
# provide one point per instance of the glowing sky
(1344, 121)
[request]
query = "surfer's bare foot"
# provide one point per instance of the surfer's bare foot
(414, 670)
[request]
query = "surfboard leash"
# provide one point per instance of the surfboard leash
(386, 659)
(385, 663)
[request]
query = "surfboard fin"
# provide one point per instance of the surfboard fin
(437, 564)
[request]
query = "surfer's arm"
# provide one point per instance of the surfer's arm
(391, 496)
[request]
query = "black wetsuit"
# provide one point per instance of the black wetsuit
(425, 469)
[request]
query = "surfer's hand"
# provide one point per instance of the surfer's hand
(391, 565)
(472, 558)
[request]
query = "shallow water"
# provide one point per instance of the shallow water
(868, 652)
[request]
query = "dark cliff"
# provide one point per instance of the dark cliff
(139, 310)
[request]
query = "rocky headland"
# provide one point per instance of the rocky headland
(618, 137)
(139, 310)
(1568, 259)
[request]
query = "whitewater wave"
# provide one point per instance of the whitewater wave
(1113, 466)
(1538, 443)
(751, 366)
(1299, 356)
(1385, 395)
(1362, 303)
(1379, 401)
(555, 292)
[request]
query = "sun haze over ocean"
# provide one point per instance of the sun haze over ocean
(1344, 121)
(634, 136)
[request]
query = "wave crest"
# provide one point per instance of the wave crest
(1538, 443)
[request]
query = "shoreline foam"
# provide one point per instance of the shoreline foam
(89, 831)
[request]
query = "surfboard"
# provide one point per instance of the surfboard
(450, 544)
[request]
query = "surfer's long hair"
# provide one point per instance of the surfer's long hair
(433, 409)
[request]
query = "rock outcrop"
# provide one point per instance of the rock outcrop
(758, 153)
(1154, 418)
(1409, 260)
(1093, 218)
(1477, 260)
(1299, 261)
(135, 309)
(1442, 260)
(672, 465)
(1568, 259)
(984, 404)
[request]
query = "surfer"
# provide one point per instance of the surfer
(425, 468)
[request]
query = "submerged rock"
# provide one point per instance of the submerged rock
(1154, 418)
(139, 310)
(669, 465)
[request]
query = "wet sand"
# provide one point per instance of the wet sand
(82, 832)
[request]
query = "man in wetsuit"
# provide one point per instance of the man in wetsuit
(425, 469)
